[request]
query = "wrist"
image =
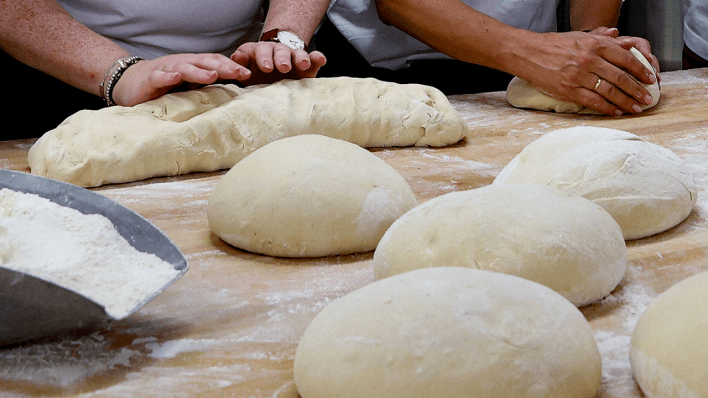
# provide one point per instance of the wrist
(521, 57)
(113, 75)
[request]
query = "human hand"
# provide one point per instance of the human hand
(592, 69)
(271, 61)
(149, 79)
(628, 42)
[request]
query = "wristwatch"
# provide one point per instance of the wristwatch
(286, 37)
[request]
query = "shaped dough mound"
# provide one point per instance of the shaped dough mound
(532, 231)
(669, 348)
(449, 332)
(521, 94)
(215, 127)
(308, 196)
(644, 186)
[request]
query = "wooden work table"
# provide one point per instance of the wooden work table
(229, 327)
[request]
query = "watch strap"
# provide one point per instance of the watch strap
(270, 35)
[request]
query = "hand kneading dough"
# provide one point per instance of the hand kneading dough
(449, 332)
(564, 242)
(308, 196)
(669, 349)
(521, 94)
(644, 186)
(215, 127)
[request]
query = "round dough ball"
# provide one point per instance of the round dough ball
(308, 196)
(669, 348)
(532, 231)
(521, 94)
(644, 186)
(449, 332)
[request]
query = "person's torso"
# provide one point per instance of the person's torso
(695, 26)
(152, 28)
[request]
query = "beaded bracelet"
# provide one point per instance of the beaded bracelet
(106, 87)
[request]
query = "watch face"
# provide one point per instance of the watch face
(291, 40)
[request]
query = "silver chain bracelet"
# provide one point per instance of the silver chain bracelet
(110, 79)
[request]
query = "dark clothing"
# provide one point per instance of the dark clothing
(692, 60)
(40, 101)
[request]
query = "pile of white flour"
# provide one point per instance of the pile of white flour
(80, 252)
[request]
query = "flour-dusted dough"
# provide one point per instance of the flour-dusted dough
(645, 187)
(215, 127)
(564, 242)
(521, 94)
(308, 196)
(449, 332)
(669, 349)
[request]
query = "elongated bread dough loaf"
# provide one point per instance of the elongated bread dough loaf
(215, 127)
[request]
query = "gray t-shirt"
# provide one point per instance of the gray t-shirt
(695, 26)
(153, 28)
(388, 47)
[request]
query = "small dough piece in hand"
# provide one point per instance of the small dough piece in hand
(521, 94)
(308, 196)
(533, 231)
(644, 186)
(449, 332)
(215, 127)
(669, 348)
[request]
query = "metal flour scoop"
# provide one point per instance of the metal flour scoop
(31, 307)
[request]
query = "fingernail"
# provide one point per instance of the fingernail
(652, 78)
(636, 108)
(648, 99)
(618, 112)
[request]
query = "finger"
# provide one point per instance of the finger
(597, 102)
(282, 57)
(625, 60)
(195, 74)
(264, 57)
(159, 79)
(622, 58)
(225, 68)
(248, 48)
(301, 59)
(625, 83)
(604, 31)
(240, 58)
(617, 97)
(645, 48)
(318, 59)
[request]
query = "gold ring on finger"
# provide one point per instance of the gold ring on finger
(597, 84)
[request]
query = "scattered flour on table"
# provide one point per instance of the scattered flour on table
(467, 165)
(63, 363)
(617, 378)
(80, 252)
(693, 150)
(173, 348)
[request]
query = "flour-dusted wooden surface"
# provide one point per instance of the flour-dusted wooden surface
(230, 326)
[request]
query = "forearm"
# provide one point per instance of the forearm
(588, 15)
(42, 35)
(454, 28)
(299, 16)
